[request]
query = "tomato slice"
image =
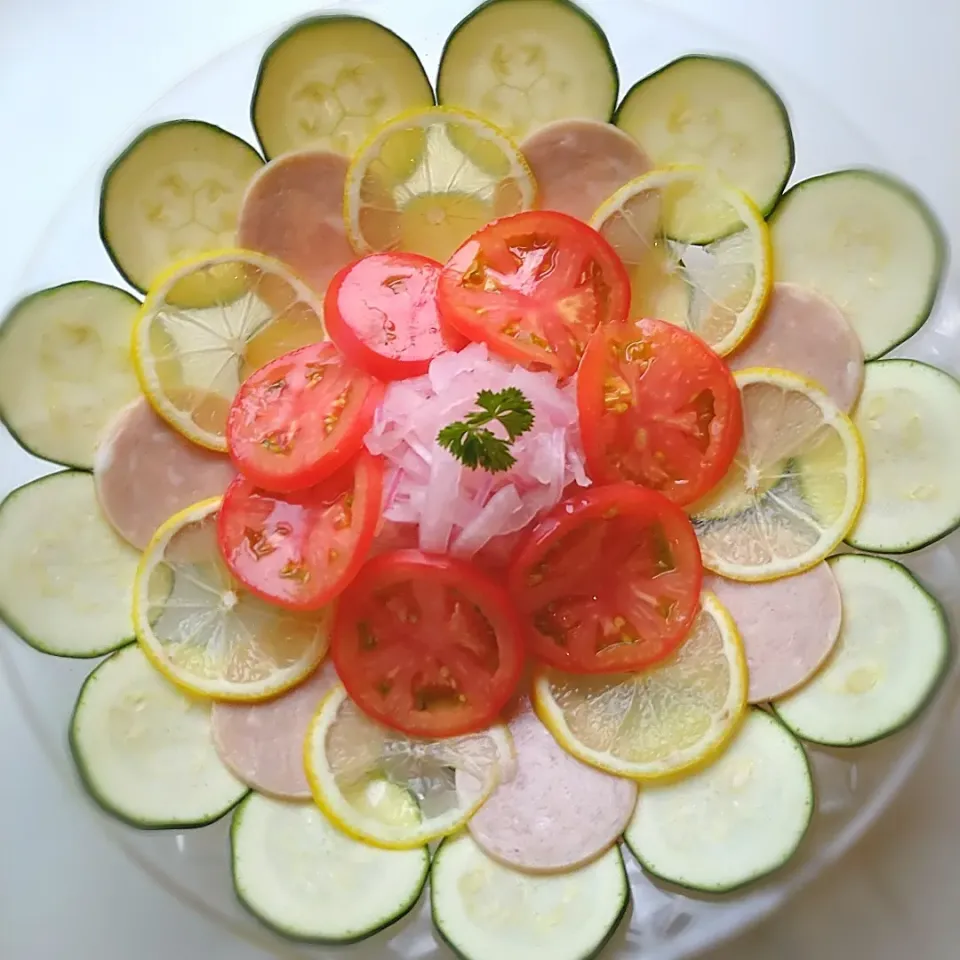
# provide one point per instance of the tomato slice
(381, 312)
(657, 407)
(534, 287)
(608, 581)
(300, 418)
(426, 644)
(301, 549)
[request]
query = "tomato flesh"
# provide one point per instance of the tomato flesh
(426, 644)
(300, 418)
(534, 287)
(608, 581)
(301, 549)
(658, 408)
(381, 312)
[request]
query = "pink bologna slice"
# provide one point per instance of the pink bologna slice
(577, 164)
(262, 743)
(556, 813)
(145, 472)
(788, 627)
(293, 211)
(804, 332)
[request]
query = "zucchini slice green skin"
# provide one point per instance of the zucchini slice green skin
(297, 936)
(913, 198)
(906, 546)
(307, 23)
(901, 722)
(446, 68)
(17, 622)
(92, 788)
(769, 203)
(594, 952)
(17, 314)
(139, 283)
(754, 714)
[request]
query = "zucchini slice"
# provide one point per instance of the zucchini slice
(486, 911)
(870, 244)
(717, 113)
(143, 748)
(328, 82)
(65, 368)
(893, 651)
(907, 416)
(173, 193)
(66, 579)
(522, 64)
(735, 821)
(303, 878)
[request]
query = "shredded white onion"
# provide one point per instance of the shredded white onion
(458, 510)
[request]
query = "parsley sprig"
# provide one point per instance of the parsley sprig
(475, 445)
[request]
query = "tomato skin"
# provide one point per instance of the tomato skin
(376, 641)
(278, 430)
(604, 530)
(325, 532)
(533, 287)
(381, 312)
(653, 379)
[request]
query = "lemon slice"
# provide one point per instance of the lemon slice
(191, 360)
(204, 631)
(660, 722)
(395, 791)
(427, 180)
(717, 290)
(795, 487)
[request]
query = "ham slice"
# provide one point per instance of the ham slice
(788, 627)
(556, 813)
(262, 743)
(145, 472)
(293, 211)
(804, 332)
(579, 163)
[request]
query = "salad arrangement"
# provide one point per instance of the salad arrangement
(511, 468)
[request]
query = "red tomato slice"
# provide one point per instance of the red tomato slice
(534, 287)
(657, 407)
(608, 581)
(381, 312)
(427, 644)
(300, 418)
(301, 549)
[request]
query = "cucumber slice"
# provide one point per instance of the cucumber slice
(522, 64)
(143, 748)
(303, 878)
(173, 193)
(66, 579)
(717, 113)
(65, 368)
(735, 821)
(907, 416)
(894, 649)
(330, 81)
(486, 911)
(870, 244)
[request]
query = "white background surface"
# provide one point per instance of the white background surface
(74, 74)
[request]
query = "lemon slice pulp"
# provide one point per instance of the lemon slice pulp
(191, 360)
(717, 290)
(660, 722)
(795, 486)
(395, 791)
(427, 180)
(204, 631)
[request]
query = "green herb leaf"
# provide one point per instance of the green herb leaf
(476, 446)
